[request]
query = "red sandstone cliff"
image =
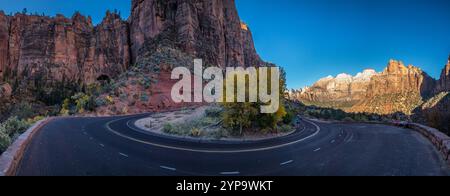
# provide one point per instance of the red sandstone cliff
(444, 81)
(209, 29)
(62, 49)
(53, 50)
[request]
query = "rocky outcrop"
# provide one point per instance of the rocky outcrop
(444, 81)
(48, 59)
(5, 91)
(5, 98)
(4, 42)
(398, 78)
(51, 52)
(109, 50)
(435, 112)
(60, 49)
(398, 88)
(208, 29)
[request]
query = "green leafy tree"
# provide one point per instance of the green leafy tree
(239, 116)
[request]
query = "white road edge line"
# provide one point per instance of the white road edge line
(210, 151)
(125, 155)
(230, 173)
(168, 168)
(287, 162)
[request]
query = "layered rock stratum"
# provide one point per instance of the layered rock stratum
(59, 49)
(210, 29)
(51, 58)
(444, 80)
(398, 88)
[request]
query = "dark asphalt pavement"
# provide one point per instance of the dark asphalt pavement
(108, 146)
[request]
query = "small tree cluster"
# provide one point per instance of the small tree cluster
(239, 117)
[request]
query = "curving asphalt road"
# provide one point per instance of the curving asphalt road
(112, 146)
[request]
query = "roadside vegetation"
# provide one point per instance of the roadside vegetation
(340, 115)
(12, 128)
(239, 120)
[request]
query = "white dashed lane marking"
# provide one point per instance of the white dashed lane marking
(168, 168)
(122, 154)
(230, 173)
(316, 150)
(287, 162)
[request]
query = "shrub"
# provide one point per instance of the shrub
(144, 97)
(100, 102)
(219, 134)
(195, 132)
(289, 117)
(5, 141)
(348, 119)
(65, 108)
(238, 116)
(23, 110)
(123, 96)
(213, 112)
(167, 128)
(285, 128)
(13, 126)
(109, 100)
(84, 102)
(10, 129)
(31, 121)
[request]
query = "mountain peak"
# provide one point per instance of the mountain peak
(448, 62)
(244, 26)
(365, 75)
(395, 67)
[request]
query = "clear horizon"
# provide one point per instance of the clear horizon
(323, 37)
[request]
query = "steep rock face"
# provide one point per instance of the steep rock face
(398, 88)
(444, 81)
(5, 98)
(43, 50)
(5, 91)
(435, 112)
(109, 49)
(208, 29)
(397, 78)
(4, 38)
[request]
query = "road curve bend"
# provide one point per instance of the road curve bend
(110, 146)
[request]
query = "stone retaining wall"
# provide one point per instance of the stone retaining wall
(439, 139)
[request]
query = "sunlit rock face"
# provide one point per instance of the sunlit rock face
(341, 91)
(398, 78)
(398, 88)
(444, 80)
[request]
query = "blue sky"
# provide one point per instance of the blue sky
(317, 38)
